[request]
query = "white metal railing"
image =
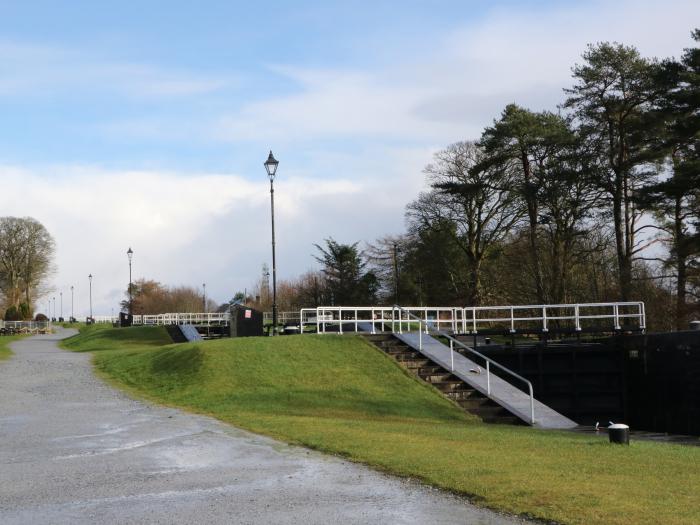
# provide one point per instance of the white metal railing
(470, 320)
(199, 319)
(26, 327)
(282, 317)
(377, 317)
(424, 327)
(111, 319)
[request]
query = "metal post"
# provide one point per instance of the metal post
(488, 377)
(544, 319)
(204, 297)
(90, 278)
(61, 294)
(129, 254)
(72, 314)
(274, 262)
(420, 336)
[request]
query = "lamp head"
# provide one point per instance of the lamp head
(271, 166)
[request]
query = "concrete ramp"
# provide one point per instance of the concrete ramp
(509, 397)
(190, 333)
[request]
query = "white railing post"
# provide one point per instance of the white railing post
(512, 321)
(488, 377)
(355, 319)
(420, 337)
(616, 314)
(577, 316)
(532, 404)
(544, 319)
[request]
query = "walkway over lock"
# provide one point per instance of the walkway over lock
(195, 319)
(541, 318)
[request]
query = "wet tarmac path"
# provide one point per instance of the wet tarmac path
(75, 450)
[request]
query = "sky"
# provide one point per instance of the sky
(146, 124)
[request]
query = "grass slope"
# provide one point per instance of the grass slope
(340, 395)
(5, 340)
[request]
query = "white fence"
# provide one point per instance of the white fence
(282, 317)
(472, 320)
(25, 327)
(102, 319)
(197, 319)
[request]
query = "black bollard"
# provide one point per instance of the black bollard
(619, 433)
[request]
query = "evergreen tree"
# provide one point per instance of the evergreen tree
(612, 103)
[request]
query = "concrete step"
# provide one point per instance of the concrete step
(473, 404)
(408, 357)
(414, 364)
(427, 370)
(448, 386)
(466, 393)
(437, 377)
(397, 350)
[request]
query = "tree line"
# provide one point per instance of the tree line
(26, 263)
(596, 200)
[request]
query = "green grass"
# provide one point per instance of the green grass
(5, 340)
(340, 395)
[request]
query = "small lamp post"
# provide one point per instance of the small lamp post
(204, 297)
(90, 279)
(130, 254)
(271, 166)
(61, 316)
(72, 313)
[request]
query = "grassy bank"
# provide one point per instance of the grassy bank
(340, 395)
(5, 340)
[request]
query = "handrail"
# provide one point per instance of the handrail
(488, 360)
(469, 320)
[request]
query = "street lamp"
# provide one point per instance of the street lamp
(204, 297)
(90, 278)
(54, 308)
(61, 316)
(271, 167)
(72, 313)
(130, 254)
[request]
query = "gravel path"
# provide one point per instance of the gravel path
(75, 450)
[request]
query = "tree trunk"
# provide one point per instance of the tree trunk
(532, 208)
(681, 266)
(620, 240)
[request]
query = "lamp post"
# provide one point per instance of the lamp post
(204, 297)
(72, 313)
(90, 278)
(54, 307)
(271, 167)
(61, 316)
(130, 254)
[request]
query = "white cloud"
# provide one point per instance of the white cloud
(188, 228)
(452, 90)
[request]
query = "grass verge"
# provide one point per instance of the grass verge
(5, 340)
(340, 395)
